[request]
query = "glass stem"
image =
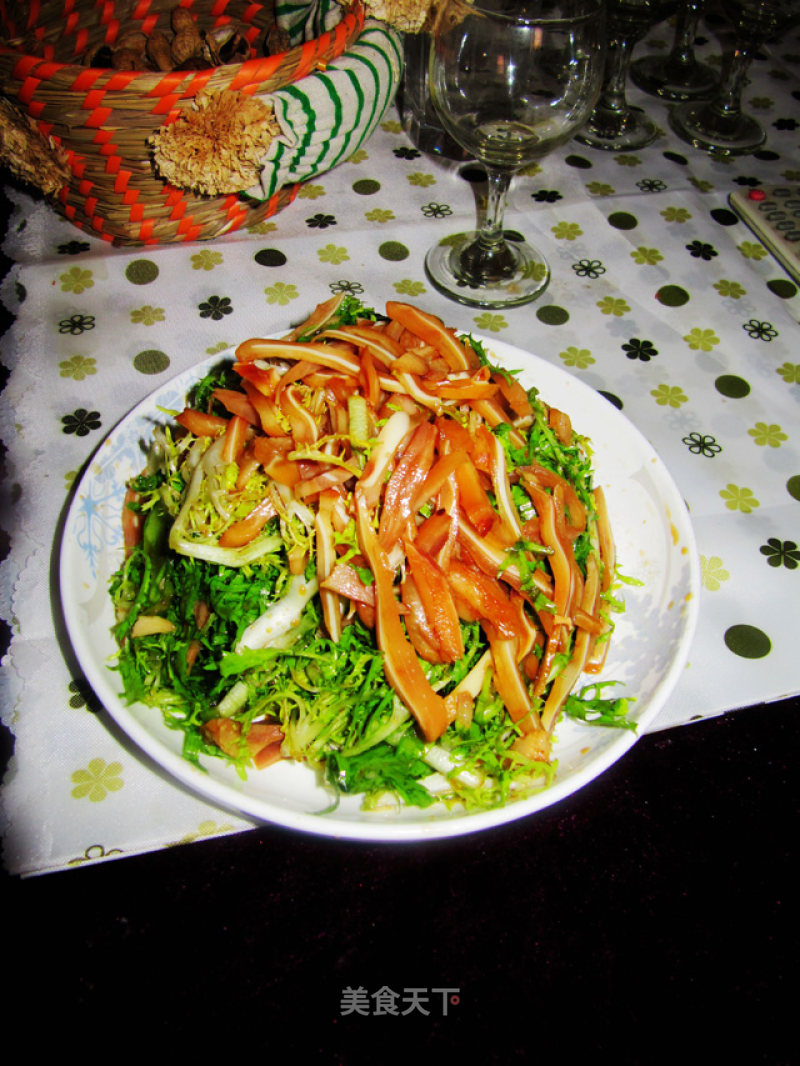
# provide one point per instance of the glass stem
(614, 99)
(488, 256)
(491, 230)
(681, 57)
(727, 103)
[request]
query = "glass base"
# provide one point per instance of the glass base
(701, 126)
(618, 131)
(522, 276)
(669, 80)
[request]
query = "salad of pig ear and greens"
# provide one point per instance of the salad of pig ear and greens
(366, 548)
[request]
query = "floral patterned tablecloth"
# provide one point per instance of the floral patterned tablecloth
(661, 299)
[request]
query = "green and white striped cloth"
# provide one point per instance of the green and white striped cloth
(327, 115)
(305, 21)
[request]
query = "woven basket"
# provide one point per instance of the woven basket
(87, 130)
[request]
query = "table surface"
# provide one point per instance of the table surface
(634, 903)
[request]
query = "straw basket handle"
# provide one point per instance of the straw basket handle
(24, 149)
(231, 142)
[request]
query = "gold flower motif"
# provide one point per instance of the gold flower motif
(97, 780)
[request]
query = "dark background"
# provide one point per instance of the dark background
(648, 918)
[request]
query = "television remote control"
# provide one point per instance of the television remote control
(773, 214)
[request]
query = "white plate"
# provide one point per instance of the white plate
(655, 544)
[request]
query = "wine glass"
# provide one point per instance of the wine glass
(615, 125)
(511, 80)
(719, 125)
(678, 75)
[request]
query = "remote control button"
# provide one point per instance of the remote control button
(756, 194)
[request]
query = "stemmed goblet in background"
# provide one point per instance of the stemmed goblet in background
(719, 125)
(511, 80)
(614, 124)
(678, 75)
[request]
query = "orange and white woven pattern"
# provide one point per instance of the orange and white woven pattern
(102, 119)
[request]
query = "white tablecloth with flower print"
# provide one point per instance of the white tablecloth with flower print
(660, 299)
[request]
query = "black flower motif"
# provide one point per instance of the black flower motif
(355, 288)
(741, 180)
(436, 210)
(761, 331)
(699, 250)
(588, 268)
(215, 307)
(786, 124)
(81, 422)
(320, 221)
(407, 153)
(781, 553)
(80, 695)
(73, 248)
(638, 349)
(702, 444)
(76, 324)
(546, 196)
(651, 185)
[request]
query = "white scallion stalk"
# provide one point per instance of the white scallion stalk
(358, 420)
(275, 628)
(212, 553)
(443, 762)
(233, 700)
